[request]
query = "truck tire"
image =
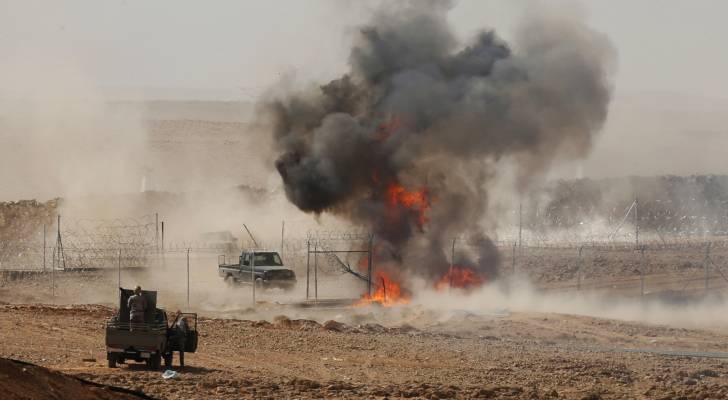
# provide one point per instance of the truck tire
(229, 280)
(112, 359)
(155, 361)
(168, 360)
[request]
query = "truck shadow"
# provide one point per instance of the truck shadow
(186, 370)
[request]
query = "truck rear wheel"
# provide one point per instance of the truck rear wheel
(112, 359)
(155, 361)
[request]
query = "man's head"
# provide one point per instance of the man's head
(138, 290)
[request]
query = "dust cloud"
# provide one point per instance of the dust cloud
(521, 295)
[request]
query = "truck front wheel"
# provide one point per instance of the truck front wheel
(112, 359)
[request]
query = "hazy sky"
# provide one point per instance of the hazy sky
(668, 116)
(664, 45)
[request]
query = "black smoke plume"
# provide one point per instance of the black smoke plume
(405, 143)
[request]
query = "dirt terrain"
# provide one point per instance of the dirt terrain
(455, 355)
(547, 341)
(22, 380)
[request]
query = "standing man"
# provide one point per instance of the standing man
(179, 335)
(137, 304)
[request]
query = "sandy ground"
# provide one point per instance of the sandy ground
(22, 380)
(453, 355)
(552, 342)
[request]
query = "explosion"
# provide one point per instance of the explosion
(421, 116)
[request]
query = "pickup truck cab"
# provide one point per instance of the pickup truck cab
(264, 268)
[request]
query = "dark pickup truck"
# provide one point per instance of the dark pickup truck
(265, 268)
(152, 340)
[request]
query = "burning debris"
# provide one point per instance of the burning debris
(388, 292)
(406, 142)
(460, 278)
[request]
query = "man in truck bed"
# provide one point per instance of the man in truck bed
(137, 304)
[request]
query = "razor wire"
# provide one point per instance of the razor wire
(87, 243)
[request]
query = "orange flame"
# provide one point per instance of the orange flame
(418, 201)
(460, 278)
(388, 292)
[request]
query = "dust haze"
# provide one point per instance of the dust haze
(62, 135)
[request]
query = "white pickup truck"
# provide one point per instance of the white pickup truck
(265, 268)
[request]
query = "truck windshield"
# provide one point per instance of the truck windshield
(267, 259)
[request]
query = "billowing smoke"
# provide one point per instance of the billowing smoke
(406, 142)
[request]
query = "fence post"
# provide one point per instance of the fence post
(315, 271)
(706, 267)
(636, 224)
(283, 228)
(308, 266)
(578, 270)
(53, 274)
(370, 262)
(514, 258)
(252, 274)
(452, 262)
(156, 232)
(44, 247)
(119, 268)
(642, 272)
(188, 280)
(520, 222)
